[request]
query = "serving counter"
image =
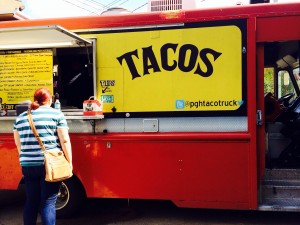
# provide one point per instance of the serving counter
(77, 122)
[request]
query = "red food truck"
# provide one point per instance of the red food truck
(200, 107)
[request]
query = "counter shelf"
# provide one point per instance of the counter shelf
(69, 115)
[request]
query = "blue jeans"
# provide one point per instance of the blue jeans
(39, 195)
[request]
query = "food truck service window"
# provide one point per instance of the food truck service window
(45, 56)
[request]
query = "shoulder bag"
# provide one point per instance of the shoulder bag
(56, 165)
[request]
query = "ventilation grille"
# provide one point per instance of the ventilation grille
(165, 5)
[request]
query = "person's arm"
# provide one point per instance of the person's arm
(17, 141)
(64, 138)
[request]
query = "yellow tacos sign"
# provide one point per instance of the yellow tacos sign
(182, 69)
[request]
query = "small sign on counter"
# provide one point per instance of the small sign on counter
(92, 107)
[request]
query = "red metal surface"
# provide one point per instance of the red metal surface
(261, 145)
(10, 169)
(154, 18)
(178, 167)
(204, 168)
(252, 109)
(278, 28)
(207, 169)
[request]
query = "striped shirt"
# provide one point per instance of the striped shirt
(46, 121)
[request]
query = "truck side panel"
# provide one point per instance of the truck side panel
(189, 170)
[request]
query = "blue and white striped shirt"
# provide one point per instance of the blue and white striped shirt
(46, 121)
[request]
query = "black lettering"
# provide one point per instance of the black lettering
(204, 58)
(130, 63)
(187, 60)
(149, 57)
(182, 57)
(165, 56)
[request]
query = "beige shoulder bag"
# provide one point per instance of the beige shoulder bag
(56, 165)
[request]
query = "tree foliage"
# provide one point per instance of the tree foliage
(269, 80)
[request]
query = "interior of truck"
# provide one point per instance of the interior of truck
(282, 104)
(73, 76)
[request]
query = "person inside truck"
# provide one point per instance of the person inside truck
(273, 107)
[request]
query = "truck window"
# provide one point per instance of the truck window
(285, 84)
(269, 80)
(297, 76)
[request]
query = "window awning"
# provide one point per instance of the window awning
(12, 15)
(52, 36)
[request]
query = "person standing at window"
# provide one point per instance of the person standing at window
(53, 131)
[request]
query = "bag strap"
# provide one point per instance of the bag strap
(34, 130)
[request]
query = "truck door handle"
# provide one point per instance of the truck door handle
(259, 120)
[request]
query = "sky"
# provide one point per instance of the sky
(63, 8)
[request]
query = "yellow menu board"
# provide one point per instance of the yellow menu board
(22, 72)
